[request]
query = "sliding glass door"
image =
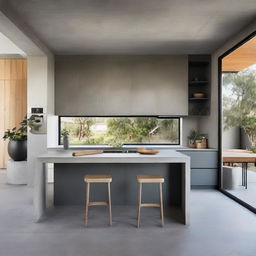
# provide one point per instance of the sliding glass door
(238, 122)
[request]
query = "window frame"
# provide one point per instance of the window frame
(128, 116)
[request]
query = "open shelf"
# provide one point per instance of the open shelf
(199, 77)
(198, 98)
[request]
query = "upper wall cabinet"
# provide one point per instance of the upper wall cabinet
(199, 89)
(121, 85)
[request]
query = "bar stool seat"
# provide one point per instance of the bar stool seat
(97, 178)
(150, 179)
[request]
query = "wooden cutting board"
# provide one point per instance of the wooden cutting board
(146, 151)
(87, 152)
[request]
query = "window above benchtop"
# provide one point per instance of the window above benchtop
(116, 131)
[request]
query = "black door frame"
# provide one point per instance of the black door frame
(246, 39)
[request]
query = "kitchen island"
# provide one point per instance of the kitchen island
(69, 171)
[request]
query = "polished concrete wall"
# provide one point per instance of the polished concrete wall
(98, 85)
(231, 138)
(245, 142)
(69, 187)
(121, 85)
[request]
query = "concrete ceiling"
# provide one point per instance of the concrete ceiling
(134, 26)
(8, 47)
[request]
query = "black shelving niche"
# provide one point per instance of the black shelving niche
(199, 68)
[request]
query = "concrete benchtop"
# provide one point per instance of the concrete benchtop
(65, 156)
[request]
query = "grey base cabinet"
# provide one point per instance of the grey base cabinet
(204, 168)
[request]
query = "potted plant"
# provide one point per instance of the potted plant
(197, 140)
(65, 134)
(17, 146)
(192, 138)
(201, 141)
(35, 122)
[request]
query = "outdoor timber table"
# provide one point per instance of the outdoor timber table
(244, 157)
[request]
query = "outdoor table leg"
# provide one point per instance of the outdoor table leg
(246, 181)
(242, 174)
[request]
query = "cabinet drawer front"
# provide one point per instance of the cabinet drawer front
(204, 177)
(202, 159)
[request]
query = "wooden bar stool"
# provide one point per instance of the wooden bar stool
(150, 179)
(101, 178)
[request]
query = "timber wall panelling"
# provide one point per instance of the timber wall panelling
(13, 99)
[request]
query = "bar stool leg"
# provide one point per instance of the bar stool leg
(109, 205)
(139, 204)
(87, 202)
(161, 204)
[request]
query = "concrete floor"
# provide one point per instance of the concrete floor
(219, 226)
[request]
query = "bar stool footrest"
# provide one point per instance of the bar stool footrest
(150, 205)
(98, 203)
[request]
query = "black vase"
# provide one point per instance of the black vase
(17, 150)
